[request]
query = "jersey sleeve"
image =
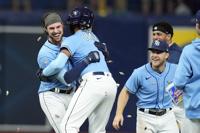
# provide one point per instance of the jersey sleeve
(56, 65)
(44, 62)
(70, 45)
(183, 71)
(132, 84)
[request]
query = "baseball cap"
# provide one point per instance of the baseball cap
(159, 45)
(163, 27)
(50, 18)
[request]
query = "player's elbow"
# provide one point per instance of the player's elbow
(178, 84)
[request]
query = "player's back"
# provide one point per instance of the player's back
(80, 45)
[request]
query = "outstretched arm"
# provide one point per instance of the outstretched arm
(121, 104)
(73, 74)
(56, 65)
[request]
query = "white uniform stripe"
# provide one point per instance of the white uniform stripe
(75, 104)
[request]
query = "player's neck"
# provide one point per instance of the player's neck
(58, 43)
(170, 43)
(159, 69)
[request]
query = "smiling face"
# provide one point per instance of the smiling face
(55, 32)
(158, 59)
(158, 35)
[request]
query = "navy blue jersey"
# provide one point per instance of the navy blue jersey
(174, 53)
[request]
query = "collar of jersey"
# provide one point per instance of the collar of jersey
(51, 46)
(149, 68)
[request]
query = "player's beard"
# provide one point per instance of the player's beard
(55, 38)
(157, 64)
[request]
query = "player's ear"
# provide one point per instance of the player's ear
(45, 30)
(169, 36)
(167, 56)
(63, 25)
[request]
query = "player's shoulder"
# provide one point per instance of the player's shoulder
(71, 37)
(48, 50)
(43, 48)
(69, 40)
(177, 47)
(140, 70)
(188, 49)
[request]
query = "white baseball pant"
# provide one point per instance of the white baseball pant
(148, 123)
(94, 99)
(54, 105)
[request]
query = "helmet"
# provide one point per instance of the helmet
(82, 17)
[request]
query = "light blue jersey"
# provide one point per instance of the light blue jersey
(80, 45)
(149, 86)
(187, 78)
(47, 54)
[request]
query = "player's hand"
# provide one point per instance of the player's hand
(92, 57)
(43, 78)
(118, 121)
(103, 48)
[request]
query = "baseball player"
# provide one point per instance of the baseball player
(164, 31)
(95, 96)
(55, 96)
(148, 82)
(187, 78)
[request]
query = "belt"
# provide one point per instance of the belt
(155, 111)
(57, 90)
(94, 74)
(98, 73)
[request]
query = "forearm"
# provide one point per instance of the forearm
(75, 72)
(56, 65)
(122, 101)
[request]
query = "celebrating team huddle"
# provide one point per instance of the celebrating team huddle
(76, 83)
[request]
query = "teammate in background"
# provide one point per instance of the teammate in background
(187, 78)
(164, 31)
(148, 82)
(95, 96)
(55, 96)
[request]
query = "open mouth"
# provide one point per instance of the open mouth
(56, 35)
(155, 59)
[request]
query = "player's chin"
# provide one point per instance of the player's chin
(57, 39)
(155, 63)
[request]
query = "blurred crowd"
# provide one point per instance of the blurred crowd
(106, 7)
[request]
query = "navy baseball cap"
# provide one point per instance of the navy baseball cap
(159, 46)
(163, 27)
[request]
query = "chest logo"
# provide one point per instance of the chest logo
(147, 78)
